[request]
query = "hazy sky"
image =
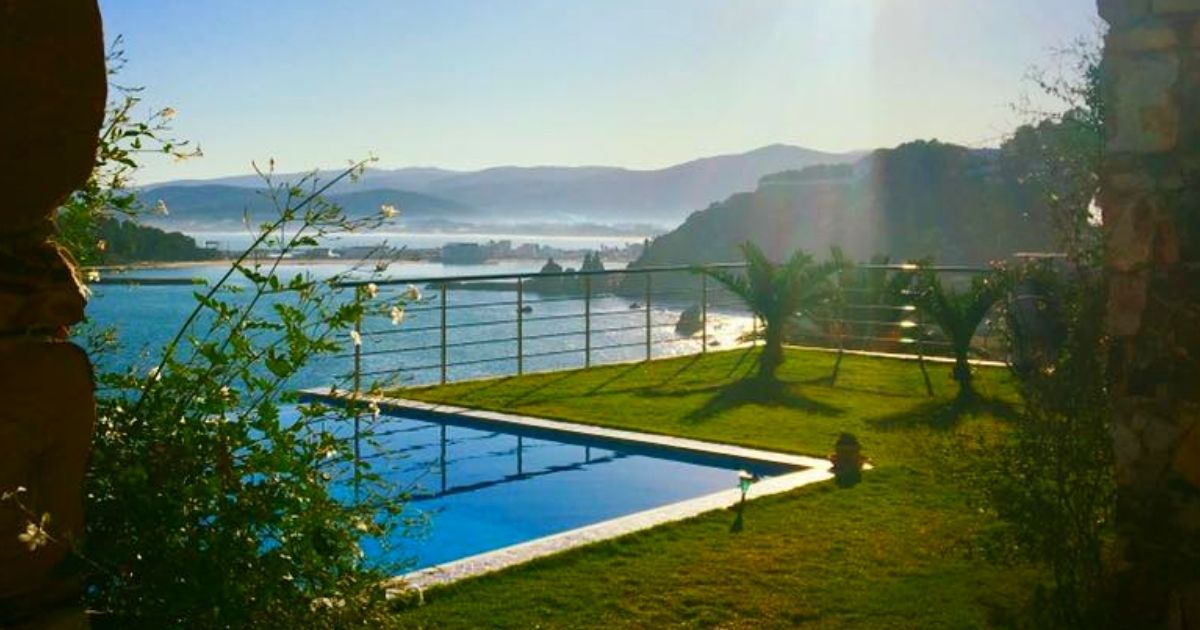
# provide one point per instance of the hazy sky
(637, 83)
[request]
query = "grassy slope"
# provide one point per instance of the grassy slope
(885, 553)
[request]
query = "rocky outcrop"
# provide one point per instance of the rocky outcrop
(53, 75)
(1151, 201)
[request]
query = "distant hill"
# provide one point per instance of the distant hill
(595, 194)
(127, 242)
(920, 199)
(214, 207)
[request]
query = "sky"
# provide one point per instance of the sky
(636, 83)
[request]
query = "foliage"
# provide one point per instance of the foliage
(1051, 481)
(125, 137)
(122, 242)
(776, 294)
(959, 313)
(1058, 154)
(210, 502)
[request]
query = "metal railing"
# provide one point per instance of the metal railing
(484, 325)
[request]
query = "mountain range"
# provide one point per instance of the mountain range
(507, 195)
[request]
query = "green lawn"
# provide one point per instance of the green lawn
(889, 552)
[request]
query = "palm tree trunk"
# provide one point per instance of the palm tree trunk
(837, 366)
(772, 353)
(1149, 185)
(962, 375)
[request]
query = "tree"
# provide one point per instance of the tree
(777, 293)
(216, 496)
(958, 314)
(108, 193)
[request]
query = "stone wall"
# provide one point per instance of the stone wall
(1151, 201)
(52, 78)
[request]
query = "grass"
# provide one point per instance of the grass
(888, 552)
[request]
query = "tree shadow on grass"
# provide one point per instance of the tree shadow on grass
(742, 361)
(683, 367)
(620, 374)
(543, 384)
(945, 414)
(751, 391)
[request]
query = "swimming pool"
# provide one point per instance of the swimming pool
(484, 485)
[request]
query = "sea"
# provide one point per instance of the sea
(481, 325)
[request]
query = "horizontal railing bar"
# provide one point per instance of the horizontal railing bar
(399, 330)
(487, 360)
(620, 328)
(548, 318)
(529, 355)
(636, 344)
(493, 322)
(438, 280)
(534, 274)
(407, 368)
(569, 333)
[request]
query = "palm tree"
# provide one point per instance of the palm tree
(958, 314)
(776, 293)
(862, 304)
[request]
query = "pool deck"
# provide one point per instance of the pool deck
(811, 470)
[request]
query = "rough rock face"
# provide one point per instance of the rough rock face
(53, 77)
(1151, 201)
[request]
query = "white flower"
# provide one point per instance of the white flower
(356, 337)
(93, 275)
(388, 211)
(160, 208)
(397, 315)
(412, 293)
(374, 409)
(372, 290)
(34, 535)
(101, 245)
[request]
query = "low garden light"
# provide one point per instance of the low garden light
(745, 479)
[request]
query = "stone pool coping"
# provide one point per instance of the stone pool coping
(814, 470)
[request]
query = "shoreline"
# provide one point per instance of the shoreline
(225, 262)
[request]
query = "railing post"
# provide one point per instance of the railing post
(648, 323)
(919, 331)
(839, 324)
(443, 303)
(520, 326)
(357, 393)
(520, 456)
(442, 458)
(704, 312)
(587, 321)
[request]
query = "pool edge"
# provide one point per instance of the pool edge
(814, 470)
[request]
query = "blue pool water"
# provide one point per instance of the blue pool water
(483, 489)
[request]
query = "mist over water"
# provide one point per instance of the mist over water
(240, 240)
